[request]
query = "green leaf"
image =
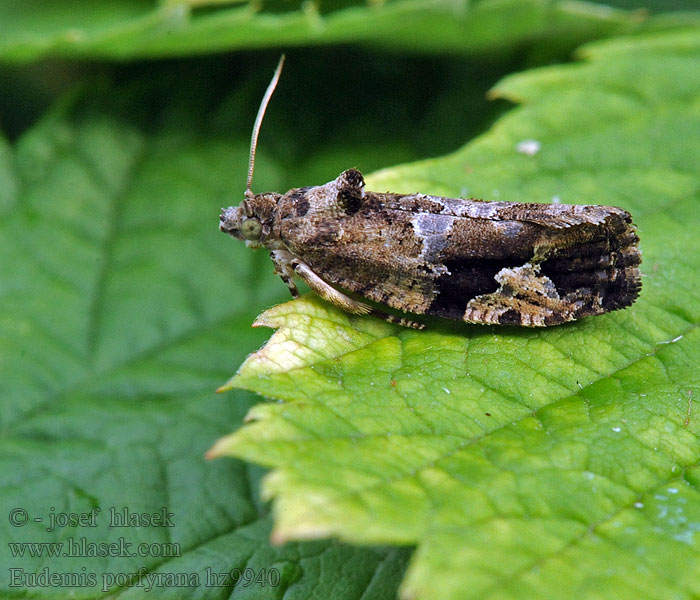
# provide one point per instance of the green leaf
(120, 314)
(549, 463)
(30, 29)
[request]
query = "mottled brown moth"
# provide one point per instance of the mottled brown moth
(503, 263)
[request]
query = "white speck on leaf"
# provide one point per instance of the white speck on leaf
(673, 341)
(528, 147)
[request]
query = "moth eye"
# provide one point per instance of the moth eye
(251, 229)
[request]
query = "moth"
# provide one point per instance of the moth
(505, 263)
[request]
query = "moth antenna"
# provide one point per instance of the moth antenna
(258, 121)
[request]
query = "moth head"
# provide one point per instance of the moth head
(251, 221)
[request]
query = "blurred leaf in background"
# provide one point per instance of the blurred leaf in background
(122, 307)
(133, 29)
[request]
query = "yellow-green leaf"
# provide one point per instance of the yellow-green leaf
(517, 459)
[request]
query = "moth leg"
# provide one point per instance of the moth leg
(328, 292)
(286, 265)
(283, 267)
(293, 290)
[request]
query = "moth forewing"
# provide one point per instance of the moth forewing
(502, 263)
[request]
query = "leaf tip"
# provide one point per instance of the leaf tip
(277, 538)
(271, 317)
(228, 386)
(221, 447)
(281, 535)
